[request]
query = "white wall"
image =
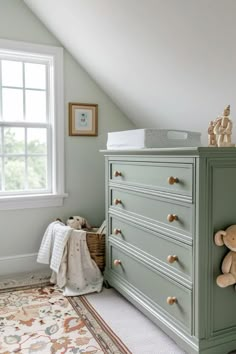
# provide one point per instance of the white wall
(21, 230)
(166, 63)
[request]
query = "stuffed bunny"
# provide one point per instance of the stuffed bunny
(227, 237)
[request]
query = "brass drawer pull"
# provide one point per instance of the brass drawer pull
(117, 201)
(117, 231)
(171, 300)
(172, 217)
(117, 262)
(173, 180)
(172, 259)
(117, 174)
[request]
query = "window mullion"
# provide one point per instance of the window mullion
(29, 89)
(2, 159)
(0, 90)
(24, 117)
(49, 158)
(3, 175)
(50, 115)
(26, 159)
(23, 73)
(24, 124)
(3, 169)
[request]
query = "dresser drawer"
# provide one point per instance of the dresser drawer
(161, 248)
(159, 176)
(166, 214)
(157, 288)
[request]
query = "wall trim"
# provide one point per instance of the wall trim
(25, 280)
(21, 263)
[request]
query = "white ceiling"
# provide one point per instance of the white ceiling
(165, 63)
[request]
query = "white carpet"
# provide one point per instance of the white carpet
(139, 334)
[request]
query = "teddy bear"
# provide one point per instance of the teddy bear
(78, 222)
(227, 237)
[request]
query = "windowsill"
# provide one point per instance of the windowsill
(32, 201)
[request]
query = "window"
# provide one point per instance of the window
(31, 125)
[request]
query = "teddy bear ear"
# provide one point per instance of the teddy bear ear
(219, 237)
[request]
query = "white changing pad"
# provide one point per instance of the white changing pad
(152, 138)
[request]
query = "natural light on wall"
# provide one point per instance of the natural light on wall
(31, 125)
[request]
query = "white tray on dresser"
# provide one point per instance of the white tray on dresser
(152, 138)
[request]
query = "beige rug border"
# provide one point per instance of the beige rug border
(107, 329)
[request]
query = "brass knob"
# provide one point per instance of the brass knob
(173, 180)
(172, 217)
(117, 231)
(172, 259)
(117, 262)
(171, 300)
(117, 173)
(117, 201)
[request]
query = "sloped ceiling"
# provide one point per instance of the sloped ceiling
(165, 63)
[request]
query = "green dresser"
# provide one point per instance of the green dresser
(163, 208)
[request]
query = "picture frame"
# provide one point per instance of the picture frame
(83, 119)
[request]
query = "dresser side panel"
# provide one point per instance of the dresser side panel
(223, 177)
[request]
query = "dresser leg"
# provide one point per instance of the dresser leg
(106, 284)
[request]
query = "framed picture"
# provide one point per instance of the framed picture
(83, 119)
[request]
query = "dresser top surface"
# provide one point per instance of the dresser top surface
(180, 151)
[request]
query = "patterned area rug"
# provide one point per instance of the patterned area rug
(42, 321)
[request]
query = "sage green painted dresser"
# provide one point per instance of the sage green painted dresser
(163, 208)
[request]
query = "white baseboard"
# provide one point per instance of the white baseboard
(22, 270)
(22, 263)
(24, 279)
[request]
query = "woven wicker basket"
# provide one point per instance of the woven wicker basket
(96, 246)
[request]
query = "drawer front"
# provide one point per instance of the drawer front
(155, 210)
(154, 244)
(154, 286)
(154, 175)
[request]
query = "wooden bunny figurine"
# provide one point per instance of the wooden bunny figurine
(223, 128)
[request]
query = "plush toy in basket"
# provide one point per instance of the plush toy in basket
(95, 238)
(78, 223)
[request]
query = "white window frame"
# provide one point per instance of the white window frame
(57, 194)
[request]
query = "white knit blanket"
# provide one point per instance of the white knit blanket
(53, 244)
